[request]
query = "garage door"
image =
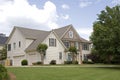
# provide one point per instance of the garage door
(17, 60)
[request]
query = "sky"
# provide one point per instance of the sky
(52, 14)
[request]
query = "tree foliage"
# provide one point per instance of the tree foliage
(3, 53)
(106, 33)
(73, 51)
(41, 48)
(3, 73)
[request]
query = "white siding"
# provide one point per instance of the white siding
(28, 42)
(33, 57)
(52, 53)
(18, 51)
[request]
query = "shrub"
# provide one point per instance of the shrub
(24, 62)
(67, 62)
(38, 63)
(3, 73)
(88, 62)
(75, 62)
(53, 62)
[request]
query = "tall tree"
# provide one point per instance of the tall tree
(106, 33)
(41, 48)
(73, 51)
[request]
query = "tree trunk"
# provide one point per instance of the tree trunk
(42, 57)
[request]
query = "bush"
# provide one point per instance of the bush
(67, 62)
(75, 62)
(24, 62)
(53, 62)
(3, 73)
(37, 63)
(88, 62)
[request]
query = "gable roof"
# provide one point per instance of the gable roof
(35, 43)
(61, 31)
(37, 35)
(31, 33)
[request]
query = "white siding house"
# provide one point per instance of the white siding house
(22, 44)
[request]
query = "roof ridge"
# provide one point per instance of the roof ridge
(63, 27)
(29, 28)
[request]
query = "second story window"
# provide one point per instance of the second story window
(9, 47)
(77, 45)
(70, 34)
(19, 44)
(67, 44)
(85, 46)
(52, 42)
(14, 46)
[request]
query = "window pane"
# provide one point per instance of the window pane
(60, 55)
(85, 46)
(70, 34)
(52, 42)
(19, 44)
(9, 47)
(67, 44)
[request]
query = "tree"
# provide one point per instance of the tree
(3, 53)
(73, 51)
(41, 48)
(3, 73)
(106, 33)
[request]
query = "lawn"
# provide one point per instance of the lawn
(65, 73)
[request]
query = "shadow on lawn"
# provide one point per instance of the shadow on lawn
(112, 68)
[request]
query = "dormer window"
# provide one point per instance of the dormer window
(70, 34)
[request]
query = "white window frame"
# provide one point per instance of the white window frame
(70, 34)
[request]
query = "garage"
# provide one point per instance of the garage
(17, 60)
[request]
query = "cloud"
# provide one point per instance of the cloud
(85, 32)
(116, 2)
(84, 3)
(65, 17)
(65, 6)
(21, 13)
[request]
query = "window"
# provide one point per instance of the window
(60, 55)
(14, 45)
(70, 34)
(85, 57)
(85, 46)
(52, 42)
(69, 57)
(19, 44)
(77, 45)
(67, 44)
(9, 47)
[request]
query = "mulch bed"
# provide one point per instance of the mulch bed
(12, 76)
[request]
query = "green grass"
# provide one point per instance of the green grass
(65, 73)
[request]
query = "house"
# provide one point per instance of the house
(22, 44)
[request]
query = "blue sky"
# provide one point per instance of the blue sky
(51, 14)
